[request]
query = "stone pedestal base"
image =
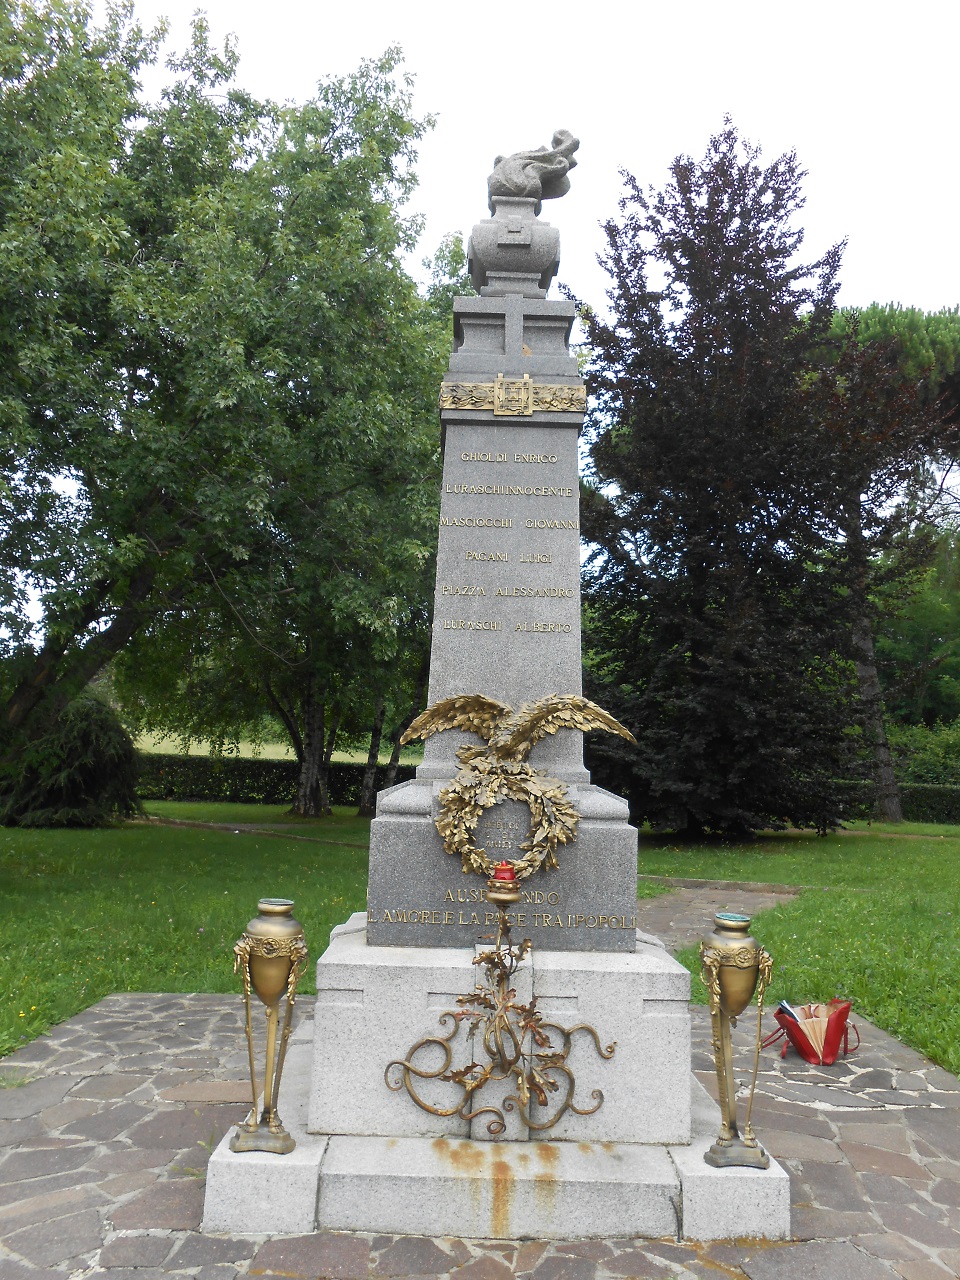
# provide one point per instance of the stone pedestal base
(588, 904)
(368, 1159)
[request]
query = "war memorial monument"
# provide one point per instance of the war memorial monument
(496, 1052)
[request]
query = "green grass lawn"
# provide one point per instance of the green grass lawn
(878, 923)
(145, 907)
(343, 826)
(152, 907)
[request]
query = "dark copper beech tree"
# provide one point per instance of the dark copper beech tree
(727, 428)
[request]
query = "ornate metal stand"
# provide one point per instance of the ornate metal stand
(270, 956)
(515, 1039)
(734, 965)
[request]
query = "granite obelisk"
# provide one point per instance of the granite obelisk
(507, 606)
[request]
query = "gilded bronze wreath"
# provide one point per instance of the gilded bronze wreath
(499, 771)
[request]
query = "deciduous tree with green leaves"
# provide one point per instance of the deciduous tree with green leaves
(208, 344)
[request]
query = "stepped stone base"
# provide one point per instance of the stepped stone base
(368, 1159)
(490, 1190)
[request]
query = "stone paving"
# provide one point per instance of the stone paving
(104, 1144)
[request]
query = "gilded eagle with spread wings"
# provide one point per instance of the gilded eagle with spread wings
(500, 771)
(509, 734)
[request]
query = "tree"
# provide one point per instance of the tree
(716, 611)
(918, 644)
(208, 345)
(289, 644)
(926, 345)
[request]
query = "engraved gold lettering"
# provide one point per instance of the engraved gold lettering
(534, 457)
(522, 919)
(547, 524)
(469, 624)
(561, 628)
(536, 558)
(476, 522)
(513, 491)
(551, 593)
(465, 590)
(487, 557)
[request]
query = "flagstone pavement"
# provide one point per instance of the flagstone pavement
(106, 1125)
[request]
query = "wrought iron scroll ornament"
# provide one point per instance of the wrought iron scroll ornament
(516, 1043)
(499, 771)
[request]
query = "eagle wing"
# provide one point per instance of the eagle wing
(523, 728)
(471, 712)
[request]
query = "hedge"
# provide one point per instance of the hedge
(177, 777)
(921, 801)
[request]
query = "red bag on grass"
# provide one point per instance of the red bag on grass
(816, 1031)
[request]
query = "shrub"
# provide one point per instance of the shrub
(81, 773)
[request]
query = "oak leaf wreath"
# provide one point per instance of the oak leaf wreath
(499, 771)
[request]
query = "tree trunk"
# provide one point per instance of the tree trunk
(368, 786)
(889, 808)
(312, 800)
(56, 674)
(390, 773)
(871, 696)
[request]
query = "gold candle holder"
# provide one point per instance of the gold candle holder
(733, 966)
(270, 957)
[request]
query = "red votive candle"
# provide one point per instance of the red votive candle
(504, 871)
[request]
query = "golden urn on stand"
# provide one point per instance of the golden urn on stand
(733, 966)
(270, 956)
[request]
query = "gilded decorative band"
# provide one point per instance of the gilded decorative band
(513, 397)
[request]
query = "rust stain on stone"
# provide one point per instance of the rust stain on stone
(502, 1196)
(585, 1147)
(547, 1152)
(466, 1157)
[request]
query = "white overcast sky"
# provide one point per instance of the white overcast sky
(865, 92)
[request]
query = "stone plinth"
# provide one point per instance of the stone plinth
(418, 895)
